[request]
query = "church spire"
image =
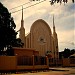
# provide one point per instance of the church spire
(22, 21)
(22, 12)
(53, 24)
(22, 30)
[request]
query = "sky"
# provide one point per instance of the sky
(64, 18)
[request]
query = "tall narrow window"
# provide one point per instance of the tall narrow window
(27, 42)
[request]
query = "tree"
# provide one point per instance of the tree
(61, 54)
(66, 53)
(18, 43)
(72, 51)
(7, 29)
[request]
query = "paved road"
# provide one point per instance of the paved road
(52, 71)
(68, 71)
(43, 73)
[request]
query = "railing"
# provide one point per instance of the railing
(24, 60)
(54, 61)
(16, 63)
(27, 60)
(39, 60)
(72, 60)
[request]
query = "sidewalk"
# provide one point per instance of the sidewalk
(59, 69)
(70, 70)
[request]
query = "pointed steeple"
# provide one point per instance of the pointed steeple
(22, 21)
(22, 30)
(22, 12)
(53, 24)
(55, 41)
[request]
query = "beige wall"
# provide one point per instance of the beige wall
(55, 40)
(28, 45)
(22, 35)
(40, 29)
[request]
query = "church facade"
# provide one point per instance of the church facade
(40, 38)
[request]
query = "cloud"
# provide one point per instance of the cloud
(64, 18)
(67, 23)
(66, 39)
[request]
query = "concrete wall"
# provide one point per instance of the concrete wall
(25, 52)
(69, 62)
(8, 63)
(66, 62)
(41, 30)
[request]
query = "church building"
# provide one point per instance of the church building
(40, 38)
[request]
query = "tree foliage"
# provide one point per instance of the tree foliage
(7, 30)
(66, 53)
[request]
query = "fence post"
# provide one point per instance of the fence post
(47, 61)
(16, 64)
(33, 61)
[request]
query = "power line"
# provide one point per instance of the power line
(28, 6)
(20, 5)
